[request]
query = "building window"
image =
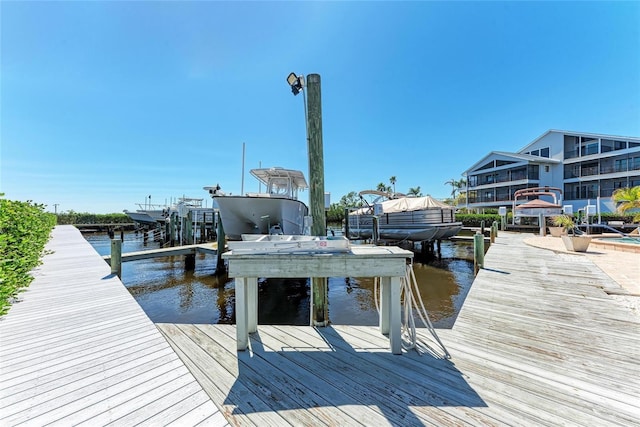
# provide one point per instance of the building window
(571, 146)
(544, 152)
(588, 146)
(619, 145)
(546, 168)
(518, 174)
(589, 169)
(486, 166)
(535, 153)
(534, 172)
(620, 165)
(607, 145)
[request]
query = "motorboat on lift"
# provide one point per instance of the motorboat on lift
(148, 214)
(401, 217)
(276, 211)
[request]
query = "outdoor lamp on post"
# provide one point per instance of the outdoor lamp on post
(313, 121)
(296, 83)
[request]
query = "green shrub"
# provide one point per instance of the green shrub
(72, 217)
(474, 220)
(24, 230)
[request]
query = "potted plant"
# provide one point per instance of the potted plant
(555, 230)
(572, 241)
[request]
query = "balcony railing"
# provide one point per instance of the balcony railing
(518, 176)
(588, 171)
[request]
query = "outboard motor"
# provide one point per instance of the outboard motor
(275, 229)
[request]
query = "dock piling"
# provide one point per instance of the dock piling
(116, 257)
(319, 285)
(220, 238)
(478, 252)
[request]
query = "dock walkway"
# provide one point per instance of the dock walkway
(537, 342)
(79, 349)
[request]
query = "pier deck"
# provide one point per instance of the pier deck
(537, 342)
(207, 248)
(78, 348)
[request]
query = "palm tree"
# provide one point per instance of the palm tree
(626, 199)
(383, 187)
(454, 186)
(415, 191)
(392, 180)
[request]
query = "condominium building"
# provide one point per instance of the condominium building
(587, 167)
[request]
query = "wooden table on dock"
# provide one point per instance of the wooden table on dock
(387, 262)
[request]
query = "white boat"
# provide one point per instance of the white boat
(276, 211)
(416, 219)
(148, 214)
(153, 215)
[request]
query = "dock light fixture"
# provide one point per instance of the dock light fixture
(296, 83)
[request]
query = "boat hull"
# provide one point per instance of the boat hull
(142, 217)
(416, 226)
(257, 215)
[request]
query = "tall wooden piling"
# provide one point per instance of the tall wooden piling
(116, 257)
(375, 232)
(319, 286)
(220, 239)
(346, 223)
(173, 227)
(478, 252)
(189, 260)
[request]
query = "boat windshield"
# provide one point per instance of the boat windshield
(281, 186)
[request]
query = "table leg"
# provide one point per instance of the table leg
(252, 304)
(395, 316)
(385, 295)
(242, 333)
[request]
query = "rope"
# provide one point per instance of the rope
(411, 294)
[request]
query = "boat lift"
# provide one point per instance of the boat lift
(542, 208)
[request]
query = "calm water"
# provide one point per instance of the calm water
(168, 293)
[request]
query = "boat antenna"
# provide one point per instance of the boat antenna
(242, 181)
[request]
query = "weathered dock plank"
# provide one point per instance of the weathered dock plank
(537, 342)
(77, 348)
(207, 248)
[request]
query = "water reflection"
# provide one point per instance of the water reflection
(168, 293)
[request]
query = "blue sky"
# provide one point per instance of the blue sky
(106, 103)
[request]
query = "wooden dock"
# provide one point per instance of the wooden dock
(207, 248)
(79, 349)
(537, 342)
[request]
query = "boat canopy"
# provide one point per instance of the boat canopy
(537, 204)
(407, 204)
(265, 175)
